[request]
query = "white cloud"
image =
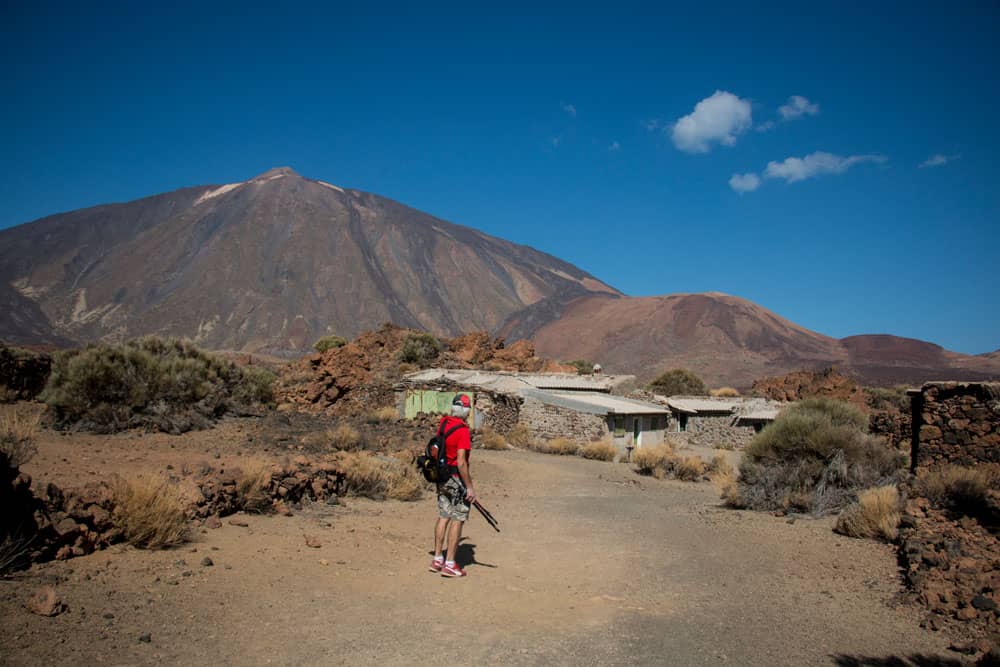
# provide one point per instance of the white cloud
(568, 108)
(614, 147)
(719, 118)
(938, 160)
(652, 125)
(744, 182)
(795, 169)
(797, 107)
(765, 126)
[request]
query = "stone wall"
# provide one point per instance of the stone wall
(713, 431)
(547, 422)
(955, 422)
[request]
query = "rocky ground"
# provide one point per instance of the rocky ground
(595, 565)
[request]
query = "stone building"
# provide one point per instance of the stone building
(729, 422)
(551, 405)
(955, 422)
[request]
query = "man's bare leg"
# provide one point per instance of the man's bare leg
(439, 532)
(454, 535)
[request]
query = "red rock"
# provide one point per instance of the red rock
(312, 541)
(45, 602)
(213, 522)
(65, 552)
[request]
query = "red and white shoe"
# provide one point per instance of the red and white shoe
(436, 565)
(452, 571)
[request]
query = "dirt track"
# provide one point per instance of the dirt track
(595, 565)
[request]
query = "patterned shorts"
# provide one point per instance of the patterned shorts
(451, 501)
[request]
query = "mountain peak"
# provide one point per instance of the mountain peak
(276, 172)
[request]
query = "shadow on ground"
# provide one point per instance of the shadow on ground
(917, 660)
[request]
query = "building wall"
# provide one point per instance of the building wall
(713, 431)
(955, 422)
(548, 421)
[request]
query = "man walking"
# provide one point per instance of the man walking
(456, 494)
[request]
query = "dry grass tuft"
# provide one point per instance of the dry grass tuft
(520, 436)
(345, 438)
(492, 440)
(149, 512)
(17, 436)
(380, 477)
(724, 392)
(875, 515)
(382, 415)
(652, 460)
(689, 468)
(599, 451)
(720, 465)
(560, 447)
(253, 487)
(959, 488)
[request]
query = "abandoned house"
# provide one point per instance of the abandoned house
(551, 405)
(714, 421)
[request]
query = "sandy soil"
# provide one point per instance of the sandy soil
(595, 565)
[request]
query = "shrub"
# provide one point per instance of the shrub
(380, 477)
(959, 488)
(490, 439)
(689, 468)
(345, 437)
(520, 436)
(652, 460)
(560, 447)
(582, 366)
(253, 486)
(420, 349)
(17, 437)
(724, 392)
(328, 343)
(382, 415)
(875, 515)
(720, 466)
(149, 512)
(168, 385)
(678, 381)
(601, 450)
(814, 457)
(879, 398)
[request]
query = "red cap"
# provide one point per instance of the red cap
(462, 400)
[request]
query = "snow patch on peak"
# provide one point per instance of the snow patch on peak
(217, 192)
(331, 186)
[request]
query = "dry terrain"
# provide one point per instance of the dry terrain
(595, 565)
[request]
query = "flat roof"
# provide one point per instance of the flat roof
(596, 403)
(513, 382)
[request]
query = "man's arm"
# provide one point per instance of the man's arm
(466, 476)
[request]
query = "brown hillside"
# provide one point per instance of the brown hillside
(269, 264)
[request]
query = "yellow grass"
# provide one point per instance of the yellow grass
(959, 485)
(492, 440)
(17, 436)
(345, 437)
(520, 436)
(380, 477)
(689, 468)
(149, 512)
(560, 446)
(652, 460)
(724, 392)
(875, 515)
(383, 415)
(253, 486)
(599, 451)
(720, 465)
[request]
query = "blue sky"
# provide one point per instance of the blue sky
(608, 136)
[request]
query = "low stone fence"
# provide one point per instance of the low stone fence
(549, 421)
(955, 422)
(715, 431)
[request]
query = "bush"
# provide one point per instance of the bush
(329, 343)
(814, 458)
(17, 437)
(875, 515)
(520, 436)
(689, 468)
(380, 477)
(560, 447)
(345, 437)
(420, 349)
(490, 439)
(895, 399)
(253, 486)
(582, 366)
(959, 488)
(599, 451)
(168, 385)
(678, 381)
(149, 512)
(724, 392)
(652, 460)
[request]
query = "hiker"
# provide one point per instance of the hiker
(456, 494)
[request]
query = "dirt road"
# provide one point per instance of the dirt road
(595, 565)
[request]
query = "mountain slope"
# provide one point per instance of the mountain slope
(728, 340)
(269, 264)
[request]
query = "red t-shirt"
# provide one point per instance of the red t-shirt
(460, 439)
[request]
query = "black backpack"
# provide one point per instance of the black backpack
(433, 463)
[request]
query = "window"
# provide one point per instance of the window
(619, 426)
(682, 423)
